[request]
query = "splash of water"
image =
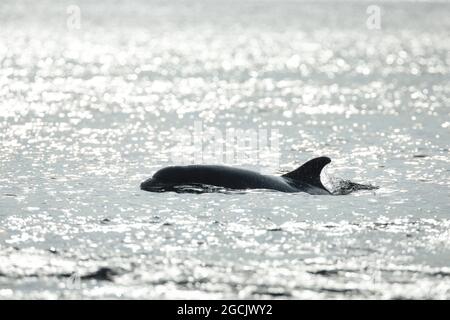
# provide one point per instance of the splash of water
(343, 187)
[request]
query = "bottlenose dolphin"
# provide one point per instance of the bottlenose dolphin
(304, 179)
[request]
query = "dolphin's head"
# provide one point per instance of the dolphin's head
(153, 185)
(167, 179)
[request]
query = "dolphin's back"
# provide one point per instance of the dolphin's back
(221, 176)
(305, 178)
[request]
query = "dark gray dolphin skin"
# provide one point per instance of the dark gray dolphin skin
(304, 179)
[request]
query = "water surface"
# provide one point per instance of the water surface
(86, 115)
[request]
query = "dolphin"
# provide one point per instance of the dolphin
(306, 178)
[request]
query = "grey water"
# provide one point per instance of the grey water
(89, 108)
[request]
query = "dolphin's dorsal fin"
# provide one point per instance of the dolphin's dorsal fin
(309, 172)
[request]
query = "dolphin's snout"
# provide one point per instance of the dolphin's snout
(147, 184)
(153, 185)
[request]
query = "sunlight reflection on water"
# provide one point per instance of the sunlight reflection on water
(86, 115)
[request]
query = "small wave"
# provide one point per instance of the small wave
(338, 187)
(204, 188)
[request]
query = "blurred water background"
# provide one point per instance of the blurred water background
(91, 94)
